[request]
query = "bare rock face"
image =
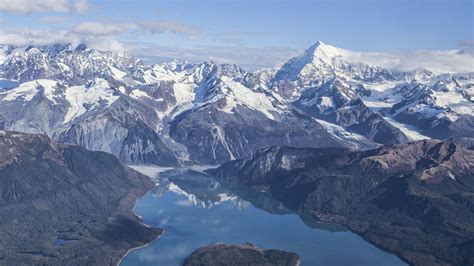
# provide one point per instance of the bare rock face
(163, 114)
(215, 136)
(340, 103)
(62, 205)
(2, 123)
(420, 105)
(414, 199)
(173, 113)
(246, 254)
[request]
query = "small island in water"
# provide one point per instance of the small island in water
(237, 255)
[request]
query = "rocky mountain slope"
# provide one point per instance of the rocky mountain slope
(62, 204)
(175, 112)
(413, 199)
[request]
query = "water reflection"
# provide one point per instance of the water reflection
(195, 210)
(201, 190)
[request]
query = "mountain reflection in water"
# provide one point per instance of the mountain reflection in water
(195, 210)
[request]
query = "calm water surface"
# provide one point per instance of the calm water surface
(195, 210)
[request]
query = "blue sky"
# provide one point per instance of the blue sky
(230, 30)
(360, 25)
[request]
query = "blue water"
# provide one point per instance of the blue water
(195, 210)
(6, 84)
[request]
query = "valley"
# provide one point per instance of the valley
(321, 159)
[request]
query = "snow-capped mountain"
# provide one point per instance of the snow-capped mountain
(384, 105)
(322, 61)
(76, 65)
(173, 112)
(340, 103)
(444, 109)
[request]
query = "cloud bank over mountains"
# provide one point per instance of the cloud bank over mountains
(452, 61)
(30, 6)
(223, 46)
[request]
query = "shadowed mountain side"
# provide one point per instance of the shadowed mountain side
(413, 199)
(62, 204)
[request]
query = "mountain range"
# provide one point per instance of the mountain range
(413, 199)
(178, 112)
(387, 153)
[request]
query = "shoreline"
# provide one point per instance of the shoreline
(152, 172)
(139, 247)
(129, 207)
(131, 211)
(326, 218)
(145, 225)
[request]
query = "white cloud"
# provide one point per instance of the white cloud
(450, 61)
(97, 35)
(106, 44)
(438, 61)
(468, 47)
(103, 36)
(99, 29)
(30, 6)
(164, 26)
(45, 37)
(152, 27)
(238, 37)
(53, 19)
(468, 43)
(81, 6)
(247, 57)
(35, 37)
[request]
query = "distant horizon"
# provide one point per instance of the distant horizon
(253, 34)
(437, 61)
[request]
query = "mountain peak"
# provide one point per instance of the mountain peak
(81, 47)
(323, 51)
(316, 63)
(318, 43)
